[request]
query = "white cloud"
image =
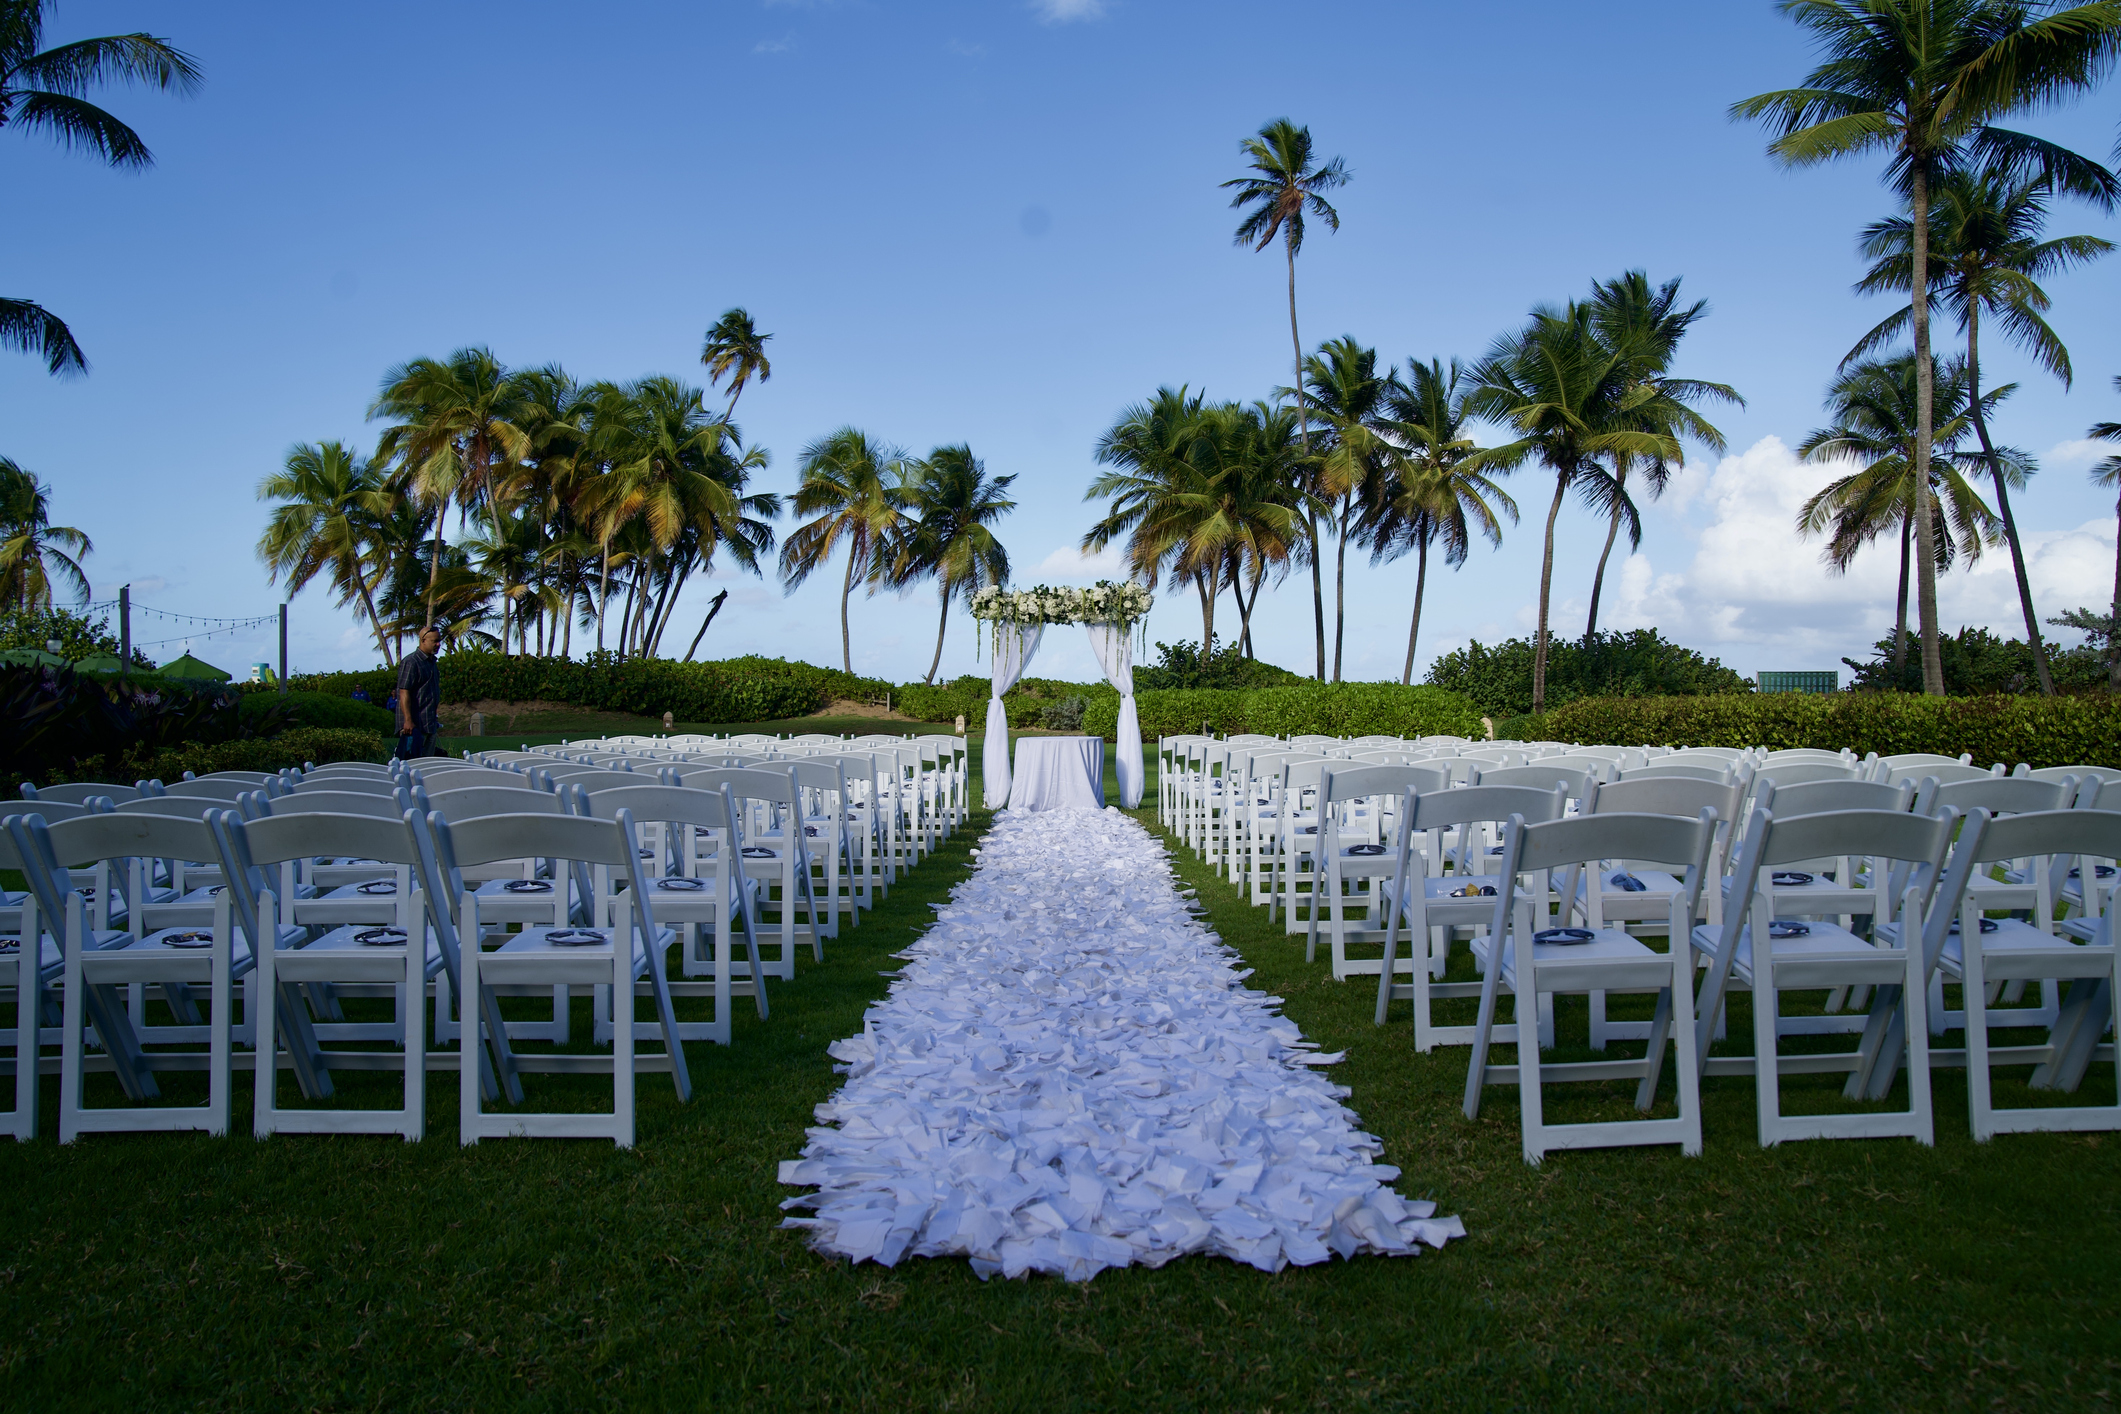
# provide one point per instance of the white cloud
(1756, 590)
(1070, 563)
(774, 46)
(1060, 12)
(2080, 453)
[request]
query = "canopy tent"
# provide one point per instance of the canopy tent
(100, 663)
(32, 657)
(192, 670)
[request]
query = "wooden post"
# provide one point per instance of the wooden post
(125, 630)
(283, 650)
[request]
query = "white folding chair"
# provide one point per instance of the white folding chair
(1355, 873)
(1532, 960)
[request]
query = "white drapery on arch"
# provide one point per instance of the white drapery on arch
(1013, 646)
(1115, 655)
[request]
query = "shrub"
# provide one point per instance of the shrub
(58, 720)
(318, 709)
(1977, 661)
(1637, 664)
(2040, 731)
(293, 747)
(79, 635)
(1182, 665)
(1332, 709)
(1065, 715)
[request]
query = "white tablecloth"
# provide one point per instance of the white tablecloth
(1058, 773)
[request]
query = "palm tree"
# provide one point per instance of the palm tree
(46, 89)
(1875, 424)
(456, 430)
(330, 502)
(850, 487)
(1573, 400)
(1344, 389)
(32, 549)
(1922, 82)
(1984, 239)
(2108, 473)
(737, 350)
(953, 502)
(1435, 489)
(1650, 323)
(1282, 189)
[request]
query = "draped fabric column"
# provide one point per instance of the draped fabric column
(1013, 646)
(1115, 654)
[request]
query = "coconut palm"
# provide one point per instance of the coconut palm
(1873, 405)
(1284, 187)
(1435, 488)
(1149, 445)
(952, 502)
(456, 430)
(32, 549)
(1650, 323)
(849, 486)
(1922, 82)
(1248, 513)
(45, 90)
(330, 503)
(2108, 473)
(1986, 258)
(1348, 396)
(1574, 401)
(735, 349)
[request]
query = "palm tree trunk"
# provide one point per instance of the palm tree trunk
(2003, 498)
(1244, 611)
(714, 606)
(1907, 539)
(1546, 588)
(434, 567)
(942, 627)
(1340, 585)
(1303, 433)
(1612, 533)
(846, 593)
(1421, 584)
(1925, 432)
(603, 594)
(1207, 613)
(2113, 620)
(375, 619)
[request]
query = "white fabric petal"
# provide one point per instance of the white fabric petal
(1070, 1075)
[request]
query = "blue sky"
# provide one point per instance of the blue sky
(991, 222)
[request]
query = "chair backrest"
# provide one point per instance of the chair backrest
(1986, 839)
(1665, 768)
(1360, 782)
(1671, 840)
(771, 784)
(611, 844)
(373, 805)
(1877, 834)
(1944, 773)
(2101, 774)
(1254, 739)
(1479, 805)
(1727, 754)
(54, 811)
(48, 849)
(212, 788)
(377, 784)
(79, 792)
(1600, 767)
(185, 807)
(1823, 797)
(1540, 775)
(1665, 795)
(1998, 795)
(1807, 756)
(1922, 758)
(310, 834)
(708, 809)
(495, 800)
(1804, 773)
(818, 773)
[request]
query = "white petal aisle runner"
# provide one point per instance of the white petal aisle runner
(1069, 1075)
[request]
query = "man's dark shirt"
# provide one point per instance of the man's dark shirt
(419, 675)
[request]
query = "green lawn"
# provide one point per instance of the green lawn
(163, 1271)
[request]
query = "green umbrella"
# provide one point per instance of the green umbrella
(100, 663)
(32, 657)
(192, 670)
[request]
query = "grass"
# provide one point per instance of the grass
(165, 1271)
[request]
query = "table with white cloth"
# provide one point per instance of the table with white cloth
(1058, 773)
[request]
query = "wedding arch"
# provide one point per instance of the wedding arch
(1018, 619)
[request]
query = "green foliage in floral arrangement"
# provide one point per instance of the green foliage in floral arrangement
(2040, 731)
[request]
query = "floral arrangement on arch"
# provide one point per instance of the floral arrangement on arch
(1102, 603)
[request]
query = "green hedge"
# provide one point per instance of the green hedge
(734, 690)
(293, 747)
(1326, 709)
(318, 709)
(2040, 731)
(967, 697)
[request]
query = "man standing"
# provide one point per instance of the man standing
(419, 697)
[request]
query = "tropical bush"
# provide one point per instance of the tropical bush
(1183, 665)
(749, 689)
(317, 709)
(61, 723)
(294, 747)
(1065, 715)
(1635, 664)
(1330, 709)
(2040, 731)
(1977, 661)
(79, 636)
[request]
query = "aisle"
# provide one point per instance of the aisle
(1069, 1075)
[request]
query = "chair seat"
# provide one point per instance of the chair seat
(1608, 949)
(500, 904)
(2016, 946)
(165, 943)
(349, 940)
(1827, 944)
(535, 944)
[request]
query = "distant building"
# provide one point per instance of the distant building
(1829, 681)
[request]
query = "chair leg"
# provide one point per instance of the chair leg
(1767, 1077)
